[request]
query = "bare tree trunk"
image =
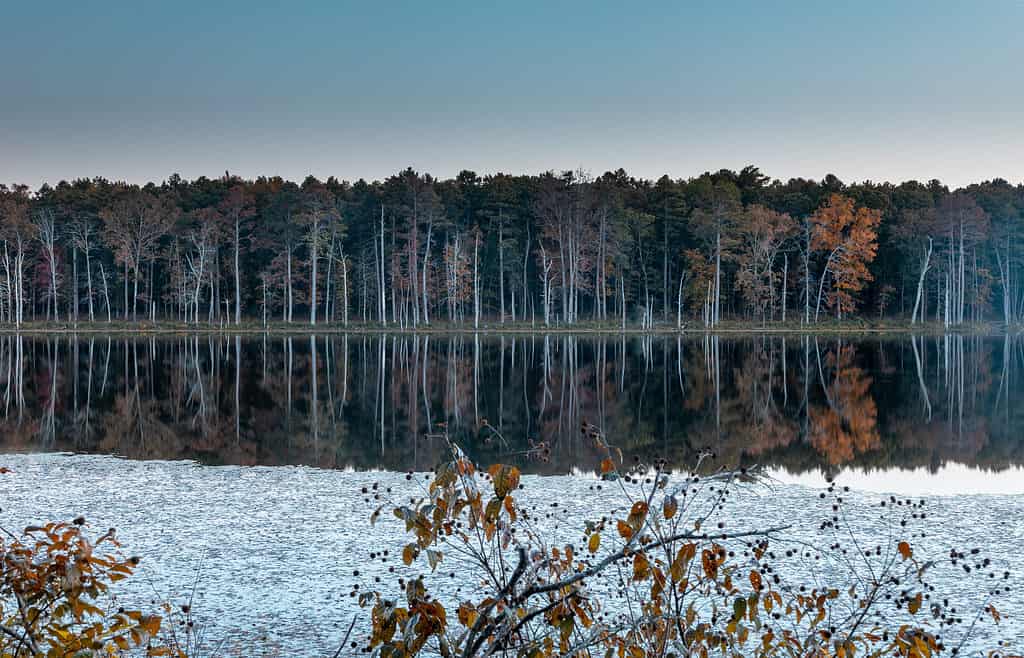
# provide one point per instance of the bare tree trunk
(288, 283)
(925, 265)
(718, 278)
(807, 272)
(679, 302)
(622, 299)
(785, 279)
(426, 263)
(501, 263)
(88, 281)
(1004, 280)
(344, 287)
(74, 284)
(314, 256)
(106, 295)
(821, 283)
(383, 292)
(135, 292)
(960, 284)
(664, 283)
(238, 274)
(476, 281)
(526, 260)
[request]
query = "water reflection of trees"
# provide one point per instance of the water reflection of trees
(375, 401)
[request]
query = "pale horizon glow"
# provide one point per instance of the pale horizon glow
(873, 91)
(948, 480)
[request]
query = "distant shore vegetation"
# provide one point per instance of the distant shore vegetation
(559, 249)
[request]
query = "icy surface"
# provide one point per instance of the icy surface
(279, 545)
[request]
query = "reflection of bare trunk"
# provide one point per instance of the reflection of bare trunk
(718, 386)
(313, 368)
(785, 277)
(48, 423)
(380, 389)
(785, 375)
(476, 378)
(501, 387)
(288, 378)
(920, 376)
(238, 384)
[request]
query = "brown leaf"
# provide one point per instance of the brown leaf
(670, 506)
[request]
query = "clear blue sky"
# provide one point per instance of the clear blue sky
(879, 90)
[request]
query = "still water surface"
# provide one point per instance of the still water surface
(246, 455)
(798, 404)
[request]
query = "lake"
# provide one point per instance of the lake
(247, 454)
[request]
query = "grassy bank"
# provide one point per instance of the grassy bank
(172, 327)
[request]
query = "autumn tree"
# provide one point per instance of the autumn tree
(847, 236)
(761, 235)
(134, 224)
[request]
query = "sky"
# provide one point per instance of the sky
(867, 90)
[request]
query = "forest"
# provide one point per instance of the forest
(555, 249)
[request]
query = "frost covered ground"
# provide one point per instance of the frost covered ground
(279, 545)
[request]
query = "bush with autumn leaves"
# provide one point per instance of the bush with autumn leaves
(55, 599)
(660, 575)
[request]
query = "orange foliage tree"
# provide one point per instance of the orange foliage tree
(848, 235)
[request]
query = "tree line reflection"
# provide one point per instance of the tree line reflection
(378, 401)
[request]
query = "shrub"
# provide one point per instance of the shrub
(663, 574)
(54, 595)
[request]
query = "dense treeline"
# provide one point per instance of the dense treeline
(554, 248)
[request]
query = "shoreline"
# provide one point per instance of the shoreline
(494, 329)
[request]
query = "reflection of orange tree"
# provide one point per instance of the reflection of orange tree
(848, 424)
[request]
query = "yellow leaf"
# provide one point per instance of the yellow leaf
(915, 604)
(468, 614)
(594, 542)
